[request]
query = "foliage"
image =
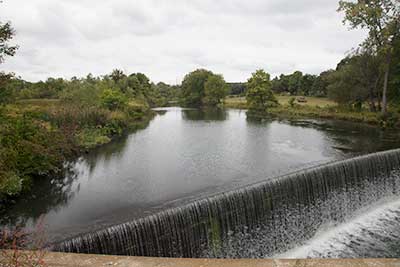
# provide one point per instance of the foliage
(237, 88)
(6, 92)
(215, 90)
(113, 99)
(356, 79)
(28, 150)
(193, 91)
(259, 94)
(381, 18)
(6, 34)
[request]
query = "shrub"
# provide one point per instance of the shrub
(113, 99)
(29, 150)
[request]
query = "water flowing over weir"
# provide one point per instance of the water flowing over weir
(257, 221)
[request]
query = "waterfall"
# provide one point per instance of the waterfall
(256, 221)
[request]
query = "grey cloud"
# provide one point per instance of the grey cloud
(168, 38)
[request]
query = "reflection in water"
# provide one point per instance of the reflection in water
(207, 114)
(182, 155)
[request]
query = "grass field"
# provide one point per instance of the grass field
(240, 102)
(315, 107)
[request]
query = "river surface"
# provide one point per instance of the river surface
(182, 155)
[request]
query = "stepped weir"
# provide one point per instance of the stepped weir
(257, 221)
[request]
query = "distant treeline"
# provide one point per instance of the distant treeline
(135, 85)
(358, 78)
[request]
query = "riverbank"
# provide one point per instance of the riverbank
(38, 136)
(318, 108)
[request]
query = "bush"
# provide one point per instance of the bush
(113, 99)
(29, 150)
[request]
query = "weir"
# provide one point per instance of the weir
(257, 221)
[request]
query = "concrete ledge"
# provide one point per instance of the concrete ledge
(84, 260)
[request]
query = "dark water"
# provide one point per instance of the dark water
(185, 155)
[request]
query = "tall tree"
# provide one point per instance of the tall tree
(6, 49)
(381, 18)
(259, 92)
(6, 35)
(215, 90)
(193, 91)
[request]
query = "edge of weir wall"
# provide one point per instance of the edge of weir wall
(86, 260)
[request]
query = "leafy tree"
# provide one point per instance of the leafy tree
(381, 18)
(113, 99)
(344, 87)
(295, 83)
(193, 87)
(356, 79)
(6, 35)
(320, 86)
(237, 88)
(307, 83)
(6, 93)
(117, 75)
(215, 90)
(394, 85)
(6, 49)
(259, 94)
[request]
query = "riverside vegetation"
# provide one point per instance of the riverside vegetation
(42, 124)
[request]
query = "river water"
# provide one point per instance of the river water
(187, 154)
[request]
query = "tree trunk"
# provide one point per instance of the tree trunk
(385, 84)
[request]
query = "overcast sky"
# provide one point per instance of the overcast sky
(165, 39)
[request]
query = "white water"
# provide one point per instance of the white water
(372, 232)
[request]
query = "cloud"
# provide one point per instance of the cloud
(168, 38)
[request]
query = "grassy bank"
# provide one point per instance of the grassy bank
(37, 136)
(317, 108)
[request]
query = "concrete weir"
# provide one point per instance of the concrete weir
(86, 260)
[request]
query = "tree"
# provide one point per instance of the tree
(320, 86)
(356, 79)
(307, 84)
(295, 82)
(117, 75)
(6, 49)
(113, 99)
(193, 91)
(394, 86)
(215, 90)
(344, 87)
(259, 94)
(6, 34)
(381, 18)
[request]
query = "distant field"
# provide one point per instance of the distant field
(283, 100)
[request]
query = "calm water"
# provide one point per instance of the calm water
(183, 155)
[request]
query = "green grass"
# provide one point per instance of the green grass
(315, 107)
(240, 102)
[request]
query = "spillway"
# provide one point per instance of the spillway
(257, 221)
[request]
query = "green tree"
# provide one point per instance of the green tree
(6, 49)
(307, 84)
(320, 86)
(295, 83)
(117, 75)
(356, 79)
(381, 18)
(6, 35)
(193, 87)
(259, 94)
(113, 99)
(215, 90)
